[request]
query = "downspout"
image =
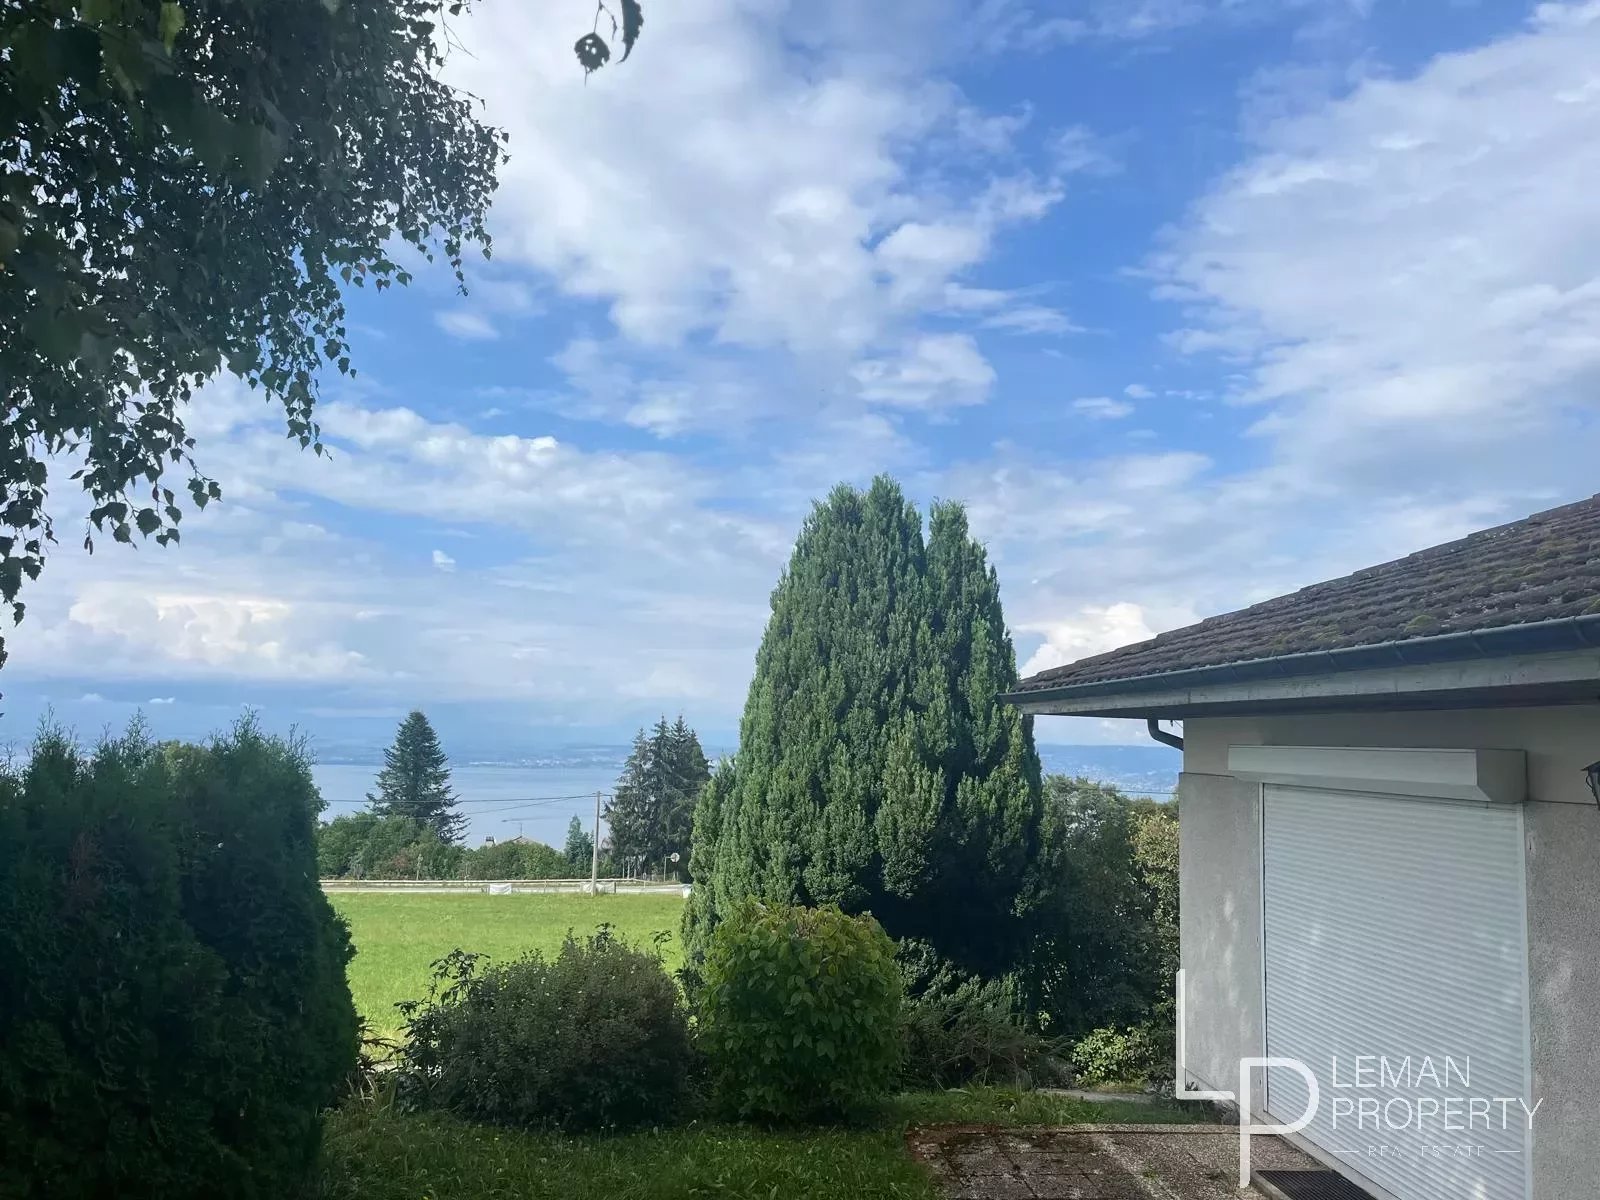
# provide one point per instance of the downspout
(1161, 735)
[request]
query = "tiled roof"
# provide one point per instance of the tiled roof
(1538, 569)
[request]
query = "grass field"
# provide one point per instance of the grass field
(376, 1155)
(397, 937)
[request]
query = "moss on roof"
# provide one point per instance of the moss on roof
(1538, 569)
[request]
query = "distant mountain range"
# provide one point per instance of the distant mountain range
(1139, 770)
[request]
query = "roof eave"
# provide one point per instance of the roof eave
(1123, 695)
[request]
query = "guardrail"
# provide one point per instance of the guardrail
(508, 887)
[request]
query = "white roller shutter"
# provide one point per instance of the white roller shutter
(1394, 928)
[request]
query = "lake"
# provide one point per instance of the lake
(491, 797)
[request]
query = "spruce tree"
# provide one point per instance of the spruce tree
(651, 812)
(415, 781)
(687, 773)
(876, 767)
(631, 811)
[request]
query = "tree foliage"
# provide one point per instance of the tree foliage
(651, 811)
(517, 859)
(365, 845)
(174, 1016)
(579, 848)
(186, 188)
(415, 781)
(877, 769)
(1109, 918)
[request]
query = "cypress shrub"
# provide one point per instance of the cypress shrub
(174, 1015)
(877, 768)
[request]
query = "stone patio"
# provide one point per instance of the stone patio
(1096, 1162)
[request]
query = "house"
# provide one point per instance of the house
(1390, 856)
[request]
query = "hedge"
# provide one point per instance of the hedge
(174, 1016)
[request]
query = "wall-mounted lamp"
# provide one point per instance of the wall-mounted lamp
(1591, 775)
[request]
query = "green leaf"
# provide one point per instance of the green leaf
(96, 12)
(172, 22)
(592, 51)
(148, 521)
(632, 21)
(261, 150)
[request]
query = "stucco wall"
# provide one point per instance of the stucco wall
(1563, 869)
(1219, 849)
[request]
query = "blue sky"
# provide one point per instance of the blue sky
(1191, 302)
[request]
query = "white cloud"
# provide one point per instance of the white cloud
(1404, 278)
(932, 371)
(443, 561)
(512, 296)
(1092, 630)
(1032, 319)
(1102, 408)
(121, 630)
(1007, 26)
(1403, 283)
(1412, 272)
(1079, 149)
(782, 200)
(91, 698)
(163, 700)
(469, 326)
(959, 298)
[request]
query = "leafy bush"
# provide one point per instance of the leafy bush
(174, 1015)
(366, 845)
(800, 1014)
(594, 1038)
(1108, 904)
(1137, 1054)
(517, 860)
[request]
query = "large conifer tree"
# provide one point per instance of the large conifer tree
(876, 769)
(651, 812)
(415, 780)
(632, 812)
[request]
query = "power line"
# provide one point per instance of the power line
(492, 800)
(530, 820)
(531, 804)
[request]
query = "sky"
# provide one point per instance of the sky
(1191, 302)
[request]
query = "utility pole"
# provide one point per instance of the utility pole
(594, 861)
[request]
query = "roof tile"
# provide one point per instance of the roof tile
(1540, 568)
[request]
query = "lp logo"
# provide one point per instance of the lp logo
(1248, 1126)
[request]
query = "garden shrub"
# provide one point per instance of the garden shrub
(800, 1013)
(174, 1015)
(1136, 1054)
(970, 1033)
(593, 1038)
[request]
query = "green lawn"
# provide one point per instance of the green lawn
(376, 1155)
(397, 937)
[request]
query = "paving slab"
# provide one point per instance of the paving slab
(1095, 1162)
